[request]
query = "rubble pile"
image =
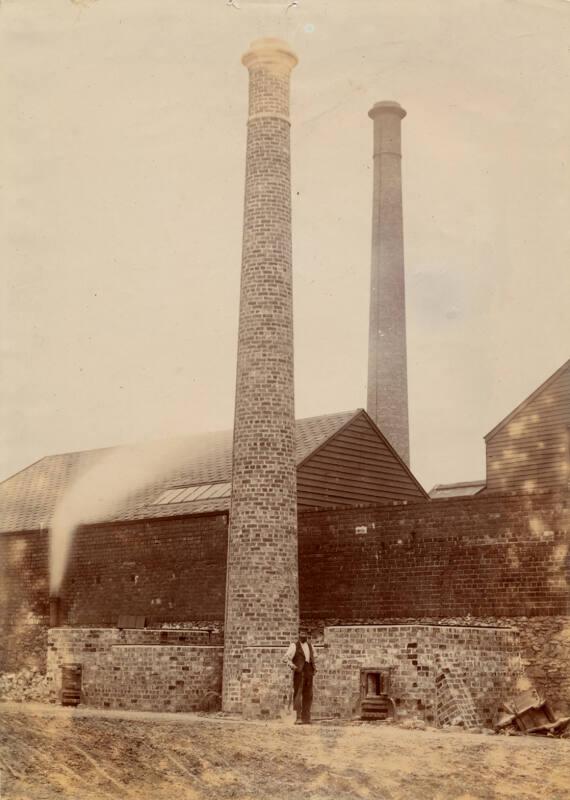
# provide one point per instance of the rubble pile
(530, 713)
(24, 686)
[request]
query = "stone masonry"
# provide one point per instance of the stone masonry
(262, 605)
(387, 401)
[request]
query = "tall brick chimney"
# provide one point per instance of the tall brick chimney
(262, 609)
(387, 401)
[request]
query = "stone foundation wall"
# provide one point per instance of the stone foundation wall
(139, 669)
(475, 668)
(545, 649)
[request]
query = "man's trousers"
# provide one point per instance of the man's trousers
(303, 692)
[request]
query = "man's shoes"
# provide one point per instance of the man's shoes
(299, 722)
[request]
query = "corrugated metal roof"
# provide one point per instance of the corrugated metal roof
(28, 499)
(464, 489)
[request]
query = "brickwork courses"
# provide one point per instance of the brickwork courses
(473, 669)
(453, 702)
(493, 556)
(138, 670)
(262, 586)
(488, 561)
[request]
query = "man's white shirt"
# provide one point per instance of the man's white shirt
(293, 649)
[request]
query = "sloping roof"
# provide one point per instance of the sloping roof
(543, 386)
(464, 489)
(29, 498)
(356, 466)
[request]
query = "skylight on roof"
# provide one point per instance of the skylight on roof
(190, 494)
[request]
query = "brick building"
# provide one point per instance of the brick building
(440, 605)
(161, 553)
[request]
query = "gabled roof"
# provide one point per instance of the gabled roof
(463, 489)
(28, 499)
(355, 466)
(548, 382)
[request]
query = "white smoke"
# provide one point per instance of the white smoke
(105, 486)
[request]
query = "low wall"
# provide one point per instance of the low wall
(139, 669)
(544, 644)
(441, 674)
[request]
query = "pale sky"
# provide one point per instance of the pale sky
(122, 176)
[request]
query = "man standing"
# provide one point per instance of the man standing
(301, 658)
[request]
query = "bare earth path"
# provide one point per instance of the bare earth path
(48, 752)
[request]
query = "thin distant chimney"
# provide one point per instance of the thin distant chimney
(387, 401)
(262, 607)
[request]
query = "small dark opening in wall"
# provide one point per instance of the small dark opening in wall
(374, 684)
(98, 580)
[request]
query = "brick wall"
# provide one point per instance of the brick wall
(138, 669)
(442, 674)
(499, 556)
(24, 605)
(501, 560)
(170, 570)
(167, 570)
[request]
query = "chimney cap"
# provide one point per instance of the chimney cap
(272, 53)
(387, 107)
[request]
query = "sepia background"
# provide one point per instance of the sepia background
(123, 143)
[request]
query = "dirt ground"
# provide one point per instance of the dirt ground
(49, 752)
